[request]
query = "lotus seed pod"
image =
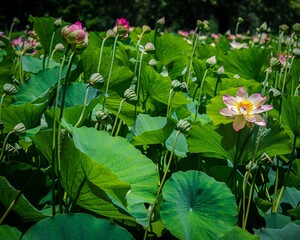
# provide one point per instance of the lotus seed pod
(296, 52)
(16, 20)
(60, 47)
(146, 29)
(130, 95)
(152, 62)
(183, 126)
(175, 85)
(211, 61)
(9, 89)
(149, 47)
(283, 27)
(11, 150)
(275, 64)
(20, 129)
(103, 117)
(96, 80)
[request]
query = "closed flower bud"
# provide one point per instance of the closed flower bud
(263, 27)
(20, 129)
(11, 150)
(184, 87)
(16, 20)
(96, 80)
(296, 27)
(183, 126)
(296, 52)
(149, 47)
(57, 23)
(273, 92)
(211, 61)
(146, 29)
(240, 19)
(152, 62)
(161, 22)
(60, 47)
(110, 33)
(9, 89)
(175, 85)
(283, 27)
(275, 64)
(121, 30)
(130, 95)
(200, 24)
(103, 117)
(220, 72)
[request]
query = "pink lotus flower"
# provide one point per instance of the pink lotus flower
(183, 33)
(244, 109)
(124, 27)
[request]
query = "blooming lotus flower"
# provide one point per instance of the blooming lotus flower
(244, 109)
(76, 36)
(237, 45)
(122, 27)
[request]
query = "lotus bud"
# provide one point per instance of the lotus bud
(9, 89)
(146, 29)
(96, 80)
(184, 87)
(296, 27)
(200, 24)
(20, 129)
(275, 64)
(283, 27)
(161, 22)
(57, 23)
(121, 30)
(273, 92)
(11, 150)
(149, 47)
(211, 62)
(16, 20)
(183, 126)
(240, 19)
(130, 95)
(220, 72)
(60, 47)
(175, 85)
(205, 26)
(110, 33)
(263, 27)
(152, 62)
(2, 44)
(296, 52)
(103, 117)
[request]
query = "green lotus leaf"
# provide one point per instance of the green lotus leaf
(8, 232)
(76, 226)
(196, 206)
(290, 231)
(238, 233)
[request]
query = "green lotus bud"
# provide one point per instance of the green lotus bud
(121, 30)
(283, 27)
(103, 117)
(110, 33)
(11, 150)
(175, 85)
(184, 87)
(96, 80)
(200, 24)
(149, 47)
(205, 26)
(152, 62)
(263, 27)
(9, 89)
(296, 27)
(58, 23)
(296, 52)
(183, 126)
(20, 129)
(60, 47)
(130, 95)
(146, 29)
(275, 64)
(273, 92)
(16, 20)
(240, 19)
(220, 72)
(161, 22)
(211, 61)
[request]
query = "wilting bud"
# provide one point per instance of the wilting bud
(9, 89)
(211, 61)
(275, 64)
(205, 26)
(161, 22)
(283, 27)
(273, 92)
(183, 126)
(96, 80)
(11, 150)
(103, 117)
(149, 47)
(110, 33)
(146, 29)
(240, 19)
(58, 23)
(130, 95)
(296, 52)
(175, 85)
(60, 47)
(296, 27)
(20, 129)
(263, 27)
(184, 87)
(220, 72)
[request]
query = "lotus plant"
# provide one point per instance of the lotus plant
(245, 110)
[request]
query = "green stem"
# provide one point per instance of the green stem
(138, 85)
(137, 53)
(216, 88)
(10, 30)
(4, 143)
(51, 57)
(287, 61)
(100, 54)
(161, 184)
(84, 106)
(117, 116)
(265, 82)
(200, 93)
(1, 102)
(237, 28)
(275, 188)
(51, 45)
(169, 102)
(78, 193)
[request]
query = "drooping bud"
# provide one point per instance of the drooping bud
(161, 22)
(152, 62)
(183, 126)
(240, 19)
(20, 129)
(283, 27)
(296, 52)
(9, 89)
(57, 23)
(103, 117)
(175, 85)
(16, 20)
(130, 95)
(149, 47)
(146, 29)
(211, 61)
(96, 80)
(275, 64)
(110, 33)
(60, 47)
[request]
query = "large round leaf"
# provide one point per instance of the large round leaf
(76, 226)
(196, 206)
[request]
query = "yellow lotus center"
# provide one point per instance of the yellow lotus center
(245, 107)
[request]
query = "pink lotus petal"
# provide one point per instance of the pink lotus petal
(250, 118)
(262, 109)
(241, 94)
(75, 26)
(234, 110)
(260, 121)
(259, 101)
(239, 122)
(229, 101)
(227, 112)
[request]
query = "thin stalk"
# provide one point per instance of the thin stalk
(51, 57)
(10, 30)
(138, 85)
(100, 54)
(169, 102)
(200, 93)
(275, 189)
(51, 46)
(117, 116)
(1, 102)
(84, 106)
(216, 87)
(137, 53)
(287, 61)
(161, 183)
(265, 82)
(4, 143)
